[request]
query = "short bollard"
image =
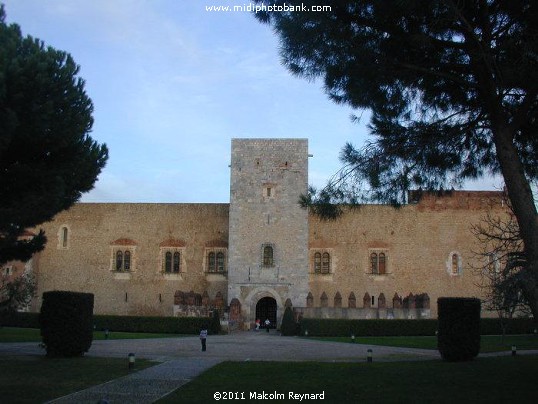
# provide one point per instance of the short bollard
(352, 337)
(131, 357)
(514, 350)
(369, 356)
(106, 333)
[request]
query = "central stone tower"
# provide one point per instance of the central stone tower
(268, 237)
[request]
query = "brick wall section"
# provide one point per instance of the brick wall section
(86, 264)
(418, 240)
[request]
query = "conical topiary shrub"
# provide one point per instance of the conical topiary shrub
(288, 327)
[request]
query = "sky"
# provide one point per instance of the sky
(172, 84)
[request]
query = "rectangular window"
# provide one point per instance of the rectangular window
(268, 256)
(215, 260)
(122, 259)
(7, 271)
(378, 262)
(322, 262)
(220, 262)
(171, 260)
(177, 262)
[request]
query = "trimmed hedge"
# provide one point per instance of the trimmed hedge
(162, 325)
(492, 326)
(67, 323)
(141, 324)
(19, 319)
(488, 326)
(459, 328)
(367, 328)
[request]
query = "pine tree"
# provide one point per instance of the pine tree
(453, 91)
(47, 158)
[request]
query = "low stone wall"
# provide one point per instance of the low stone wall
(361, 313)
(183, 310)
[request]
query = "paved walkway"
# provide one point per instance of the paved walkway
(182, 360)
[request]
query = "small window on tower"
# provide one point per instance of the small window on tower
(268, 191)
(267, 257)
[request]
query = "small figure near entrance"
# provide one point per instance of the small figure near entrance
(258, 324)
(203, 337)
(267, 324)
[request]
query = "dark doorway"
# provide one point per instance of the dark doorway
(266, 308)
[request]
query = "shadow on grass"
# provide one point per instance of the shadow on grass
(485, 380)
(488, 343)
(36, 379)
(12, 334)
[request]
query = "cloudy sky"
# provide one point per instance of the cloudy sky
(172, 84)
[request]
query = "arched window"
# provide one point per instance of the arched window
(455, 264)
(338, 300)
(326, 263)
(211, 262)
(119, 260)
(177, 262)
(65, 234)
(220, 262)
(381, 269)
(268, 256)
(317, 263)
(324, 300)
(127, 260)
(352, 301)
(378, 262)
(168, 262)
(310, 300)
(373, 263)
(123, 256)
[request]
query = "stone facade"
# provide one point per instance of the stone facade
(418, 240)
(96, 232)
(261, 252)
(268, 229)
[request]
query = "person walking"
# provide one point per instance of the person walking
(267, 324)
(203, 337)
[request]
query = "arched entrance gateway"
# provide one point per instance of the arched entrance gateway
(266, 308)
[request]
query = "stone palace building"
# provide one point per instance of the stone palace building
(262, 251)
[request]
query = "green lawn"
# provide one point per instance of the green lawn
(36, 379)
(10, 334)
(488, 343)
(486, 380)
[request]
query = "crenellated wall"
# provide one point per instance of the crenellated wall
(150, 259)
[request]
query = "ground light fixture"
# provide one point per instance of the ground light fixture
(131, 358)
(369, 355)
